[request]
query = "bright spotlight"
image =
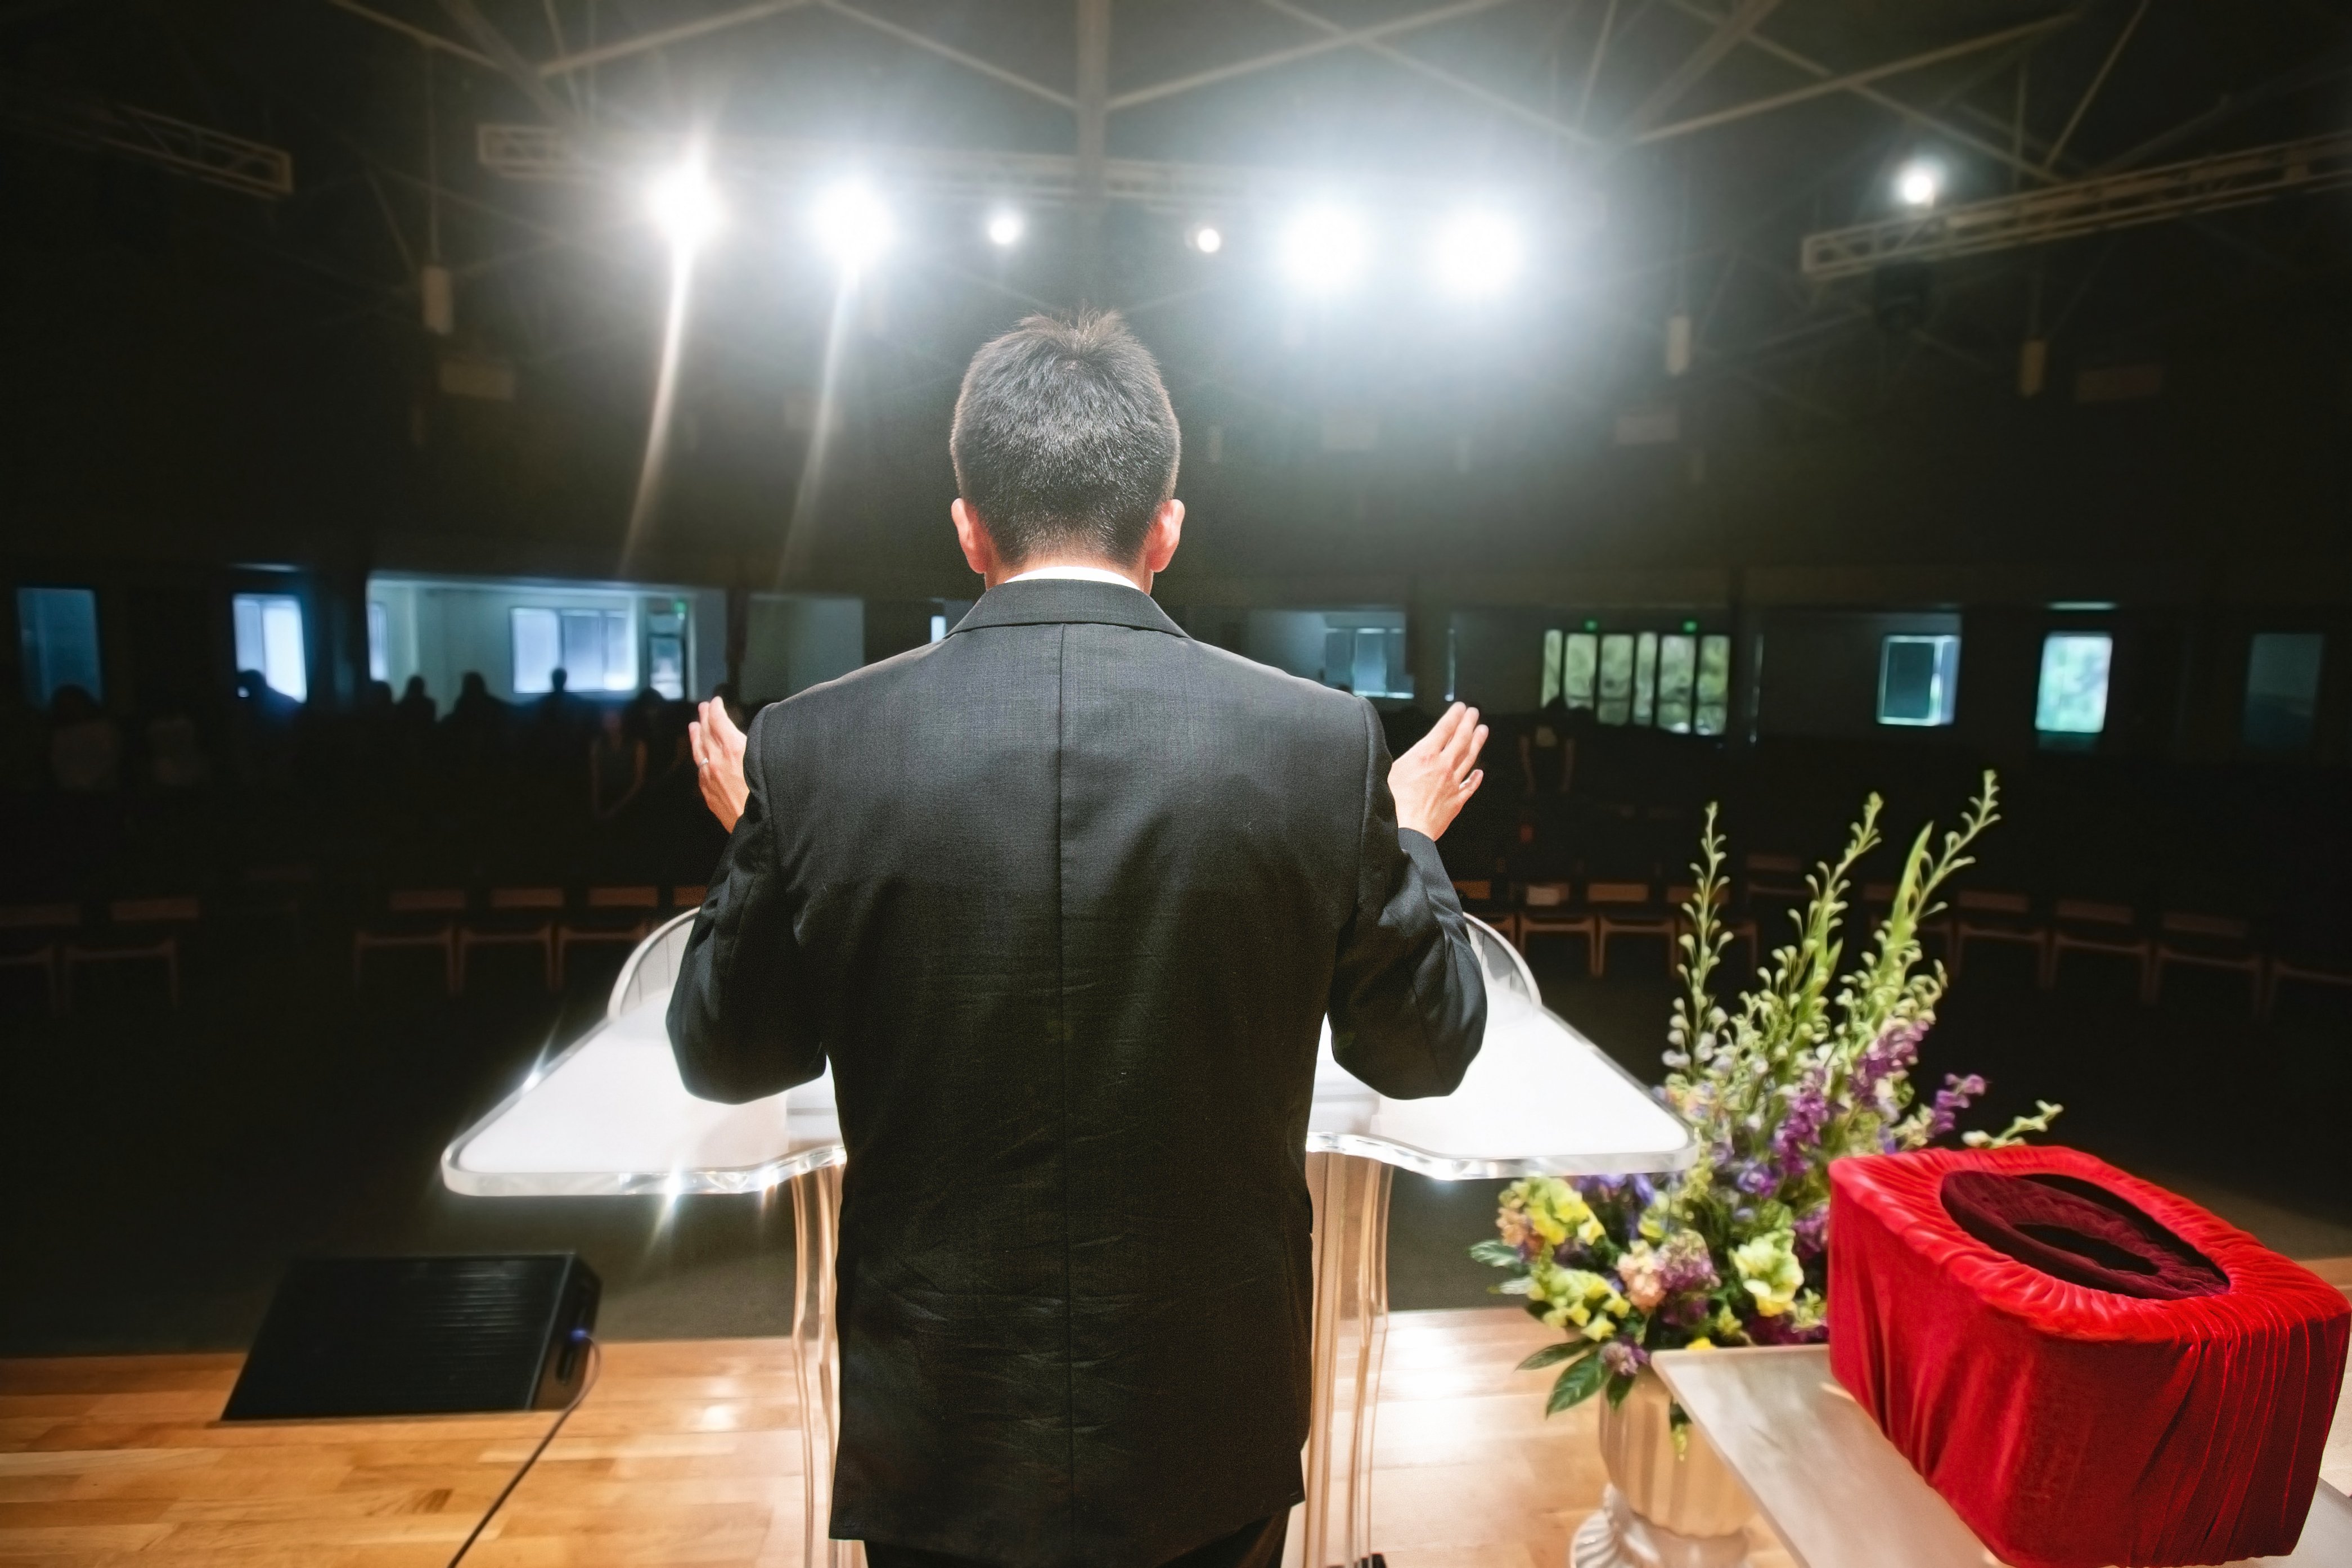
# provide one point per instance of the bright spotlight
(1207, 240)
(1004, 228)
(1324, 249)
(685, 206)
(852, 226)
(1919, 184)
(1477, 253)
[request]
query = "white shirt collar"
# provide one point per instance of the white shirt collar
(1074, 574)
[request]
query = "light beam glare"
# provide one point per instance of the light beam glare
(649, 474)
(800, 526)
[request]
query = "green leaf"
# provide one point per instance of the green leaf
(1580, 1383)
(1501, 1254)
(1552, 1354)
(1618, 1388)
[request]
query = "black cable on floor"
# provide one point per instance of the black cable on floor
(595, 1361)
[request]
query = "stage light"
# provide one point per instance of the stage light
(1004, 227)
(686, 206)
(1477, 253)
(852, 226)
(1324, 249)
(1207, 240)
(1919, 184)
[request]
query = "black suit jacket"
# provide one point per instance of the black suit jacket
(1064, 898)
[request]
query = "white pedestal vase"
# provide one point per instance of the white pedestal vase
(1665, 1508)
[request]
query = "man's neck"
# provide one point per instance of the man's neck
(1083, 571)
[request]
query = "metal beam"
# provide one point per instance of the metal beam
(1388, 51)
(431, 40)
(2090, 93)
(1870, 94)
(1729, 35)
(1348, 38)
(214, 157)
(540, 153)
(950, 52)
(509, 63)
(1849, 81)
(2087, 206)
(661, 37)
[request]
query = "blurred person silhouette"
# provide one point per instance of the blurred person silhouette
(85, 744)
(616, 761)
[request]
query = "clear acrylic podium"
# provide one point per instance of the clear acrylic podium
(609, 1117)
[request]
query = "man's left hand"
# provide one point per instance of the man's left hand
(718, 762)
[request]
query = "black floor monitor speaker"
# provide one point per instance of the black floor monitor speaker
(419, 1336)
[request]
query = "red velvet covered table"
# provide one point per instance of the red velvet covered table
(2087, 1368)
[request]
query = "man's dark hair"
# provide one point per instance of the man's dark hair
(1064, 438)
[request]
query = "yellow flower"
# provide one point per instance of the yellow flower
(1769, 1268)
(1600, 1329)
(1702, 1342)
(1580, 1314)
(1591, 1231)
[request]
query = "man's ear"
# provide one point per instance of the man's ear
(1159, 540)
(978, 549)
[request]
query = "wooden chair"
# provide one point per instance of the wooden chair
(518, 917)
(30, 935)
(687, 895)
(1545, 910)
(1627, 909)
(1478, 897)
(2090, 926)
(610, 915)
(2221, 942)
(138, 930)
(1982, 914)
(415, 917)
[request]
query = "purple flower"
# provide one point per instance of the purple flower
(1758, 1178)
(1813, 1233)
(1684, 1264)
(1780, 1330)
(1800, 1132)
(1955, 1096)
(1888, 1056)
(1622, 1359)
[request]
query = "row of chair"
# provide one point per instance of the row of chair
(59, 940)
(445, 919)
(2173, 937)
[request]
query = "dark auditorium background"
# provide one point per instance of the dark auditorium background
(335, 354)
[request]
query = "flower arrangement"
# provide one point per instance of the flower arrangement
(1809, 1066)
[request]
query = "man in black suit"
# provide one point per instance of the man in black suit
(1064, 899)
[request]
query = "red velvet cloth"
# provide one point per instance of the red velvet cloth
(2073, 1426)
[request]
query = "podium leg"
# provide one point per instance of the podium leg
(1351, 1323)
(816, 1361)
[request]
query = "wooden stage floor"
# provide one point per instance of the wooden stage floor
(687, 1452)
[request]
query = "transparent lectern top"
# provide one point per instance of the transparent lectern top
(609, 1115)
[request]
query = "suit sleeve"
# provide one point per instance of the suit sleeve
(1407, 999)
(743, 1019)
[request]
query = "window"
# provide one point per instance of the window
(1677, 673)
(1366, 660)
(379, 641)
(57, 628)
(1616, 678)
(1918, 680)
(1678, 681)
(665, 650)
(1712, 711)
(1580, 662)
(269, 641)
(2073, 698)
(592, 647)
(2282, 689)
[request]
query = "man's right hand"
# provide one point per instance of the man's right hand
(1435, 778)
